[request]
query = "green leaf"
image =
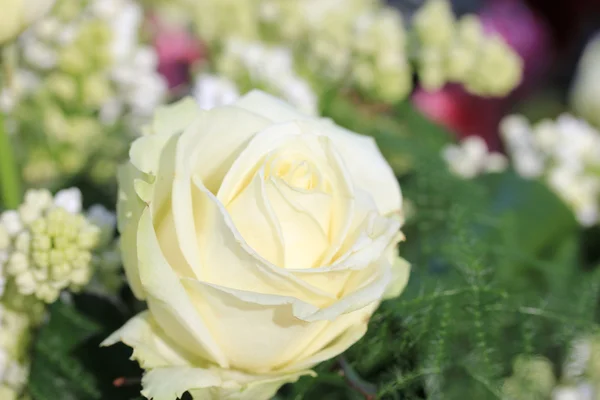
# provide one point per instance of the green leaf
(540, 218)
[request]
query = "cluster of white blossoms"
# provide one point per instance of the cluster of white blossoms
(564, 153)
(95, 45)
(459, 51)
(254, 64)
(471, 158)
(380, 67)
(83, 72)
(362, 44)
(533, 376)
(15, 337)
(46, 244)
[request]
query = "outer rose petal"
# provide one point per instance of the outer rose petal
(367, 166)
(167, 300)
(281, 327)
(174, 118)
(213, 384)
(135, 179)
(400, 276)
(129, 211)
(151, 347)
(269, 107)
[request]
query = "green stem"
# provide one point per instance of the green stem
(9, 174)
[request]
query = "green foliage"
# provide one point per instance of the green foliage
(68, 363)
(497, 273)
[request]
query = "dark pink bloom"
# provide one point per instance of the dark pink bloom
(177, 51)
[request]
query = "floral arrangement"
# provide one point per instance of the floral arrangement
(226, 199)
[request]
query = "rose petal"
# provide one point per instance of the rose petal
(167, 300)
(174, 118)
(151, 347)
(254, 217)
(229, 261)
(269, 107)
(400, 276)
(304, 240)
(282, 326)
(271, 337)
(129, 211)
(339, 336)
(198, 143)
(213, 383)
(366, 165)
(362, 157)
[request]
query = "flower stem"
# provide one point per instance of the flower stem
(10, 183)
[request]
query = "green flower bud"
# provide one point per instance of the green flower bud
(72, 60)
(4, 238)
(434, 23)
(41, 242)
(62, 86)
(96, 90)
(41, 259)
(60, 271)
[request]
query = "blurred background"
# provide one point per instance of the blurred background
(550, 36)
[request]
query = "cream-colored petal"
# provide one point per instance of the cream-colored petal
(171, 383)
(161, 205)
(367, 243)
(400, 276)
(151, 347)
(167, 300)
(342, 333)
(253, 156)
(255, 336)
(367, 166)
(221, 135)
(304, 240)
(360, 153)
(213, 384)
(168, 120)
(229, 261)
(255, 219)
(279, 330)
(207, 147)
(129, 211)
(288, 140)
(269, 107)
(174, 118)
(145, 152)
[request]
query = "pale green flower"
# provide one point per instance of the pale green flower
(52, 251)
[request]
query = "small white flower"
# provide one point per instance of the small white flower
(471, 158)
(69, 199)
(101, 216)
(11, 221)
(582, 391)
(211, 91)
(39, 54)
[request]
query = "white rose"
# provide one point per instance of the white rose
(262, 241)
(17, 15)
(585, 91)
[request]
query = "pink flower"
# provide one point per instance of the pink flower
(177, 51)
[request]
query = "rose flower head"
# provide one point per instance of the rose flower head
(261, 239)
